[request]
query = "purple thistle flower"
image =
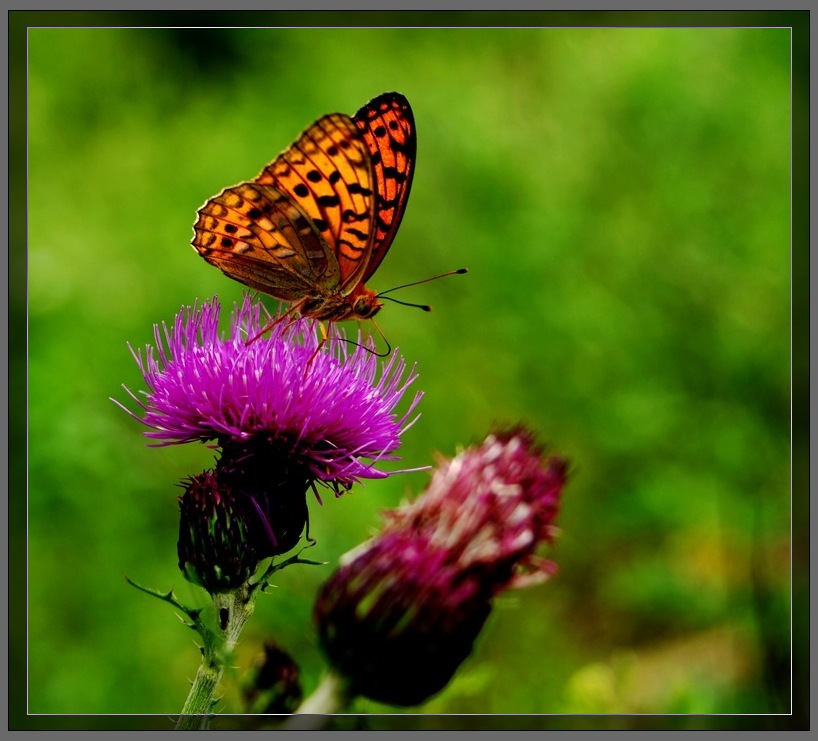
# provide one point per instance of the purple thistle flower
(403, 610)
(324, 408)
(287, 411)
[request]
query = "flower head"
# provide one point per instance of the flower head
(323, 408)
(286, 410)
(491, 508)
(403, 610)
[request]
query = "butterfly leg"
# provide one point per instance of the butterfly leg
(272, 323)
(322, 328)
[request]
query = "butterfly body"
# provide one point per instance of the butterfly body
(314, 226)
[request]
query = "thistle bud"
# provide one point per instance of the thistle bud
(215, 546)
(398, 618)
(273, 684)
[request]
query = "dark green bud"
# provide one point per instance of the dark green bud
(215, 545)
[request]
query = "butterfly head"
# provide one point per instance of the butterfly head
(364, 303)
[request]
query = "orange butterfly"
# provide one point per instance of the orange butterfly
(313, 227)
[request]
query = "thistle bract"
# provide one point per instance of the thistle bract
(215, 546)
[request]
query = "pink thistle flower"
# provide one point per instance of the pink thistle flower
(287, 411)
(325, 408)
(403, 610)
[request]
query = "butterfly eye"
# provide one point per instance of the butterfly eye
(365, 308)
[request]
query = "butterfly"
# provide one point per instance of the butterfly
(315, 225)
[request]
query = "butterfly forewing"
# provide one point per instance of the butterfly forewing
(328, 173)
(388, 129)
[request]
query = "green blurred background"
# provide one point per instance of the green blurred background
(621, 197)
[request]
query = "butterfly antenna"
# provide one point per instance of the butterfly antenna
(459, 271)
(425, 307)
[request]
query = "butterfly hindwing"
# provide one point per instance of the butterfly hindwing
(257, 235)
(388, 129)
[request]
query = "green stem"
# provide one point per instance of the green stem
(195, 715)
(233, 609)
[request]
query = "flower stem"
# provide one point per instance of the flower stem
(195, 713)
(330, 697)
(233, 609)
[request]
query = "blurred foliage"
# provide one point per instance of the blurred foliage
(622, 200)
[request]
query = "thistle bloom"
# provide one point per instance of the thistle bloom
(324, 408)
(286, 410)
(403, 610)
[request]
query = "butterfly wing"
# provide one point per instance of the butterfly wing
(320, 218)
(258, 236)
(328, 173)
(387, 126)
